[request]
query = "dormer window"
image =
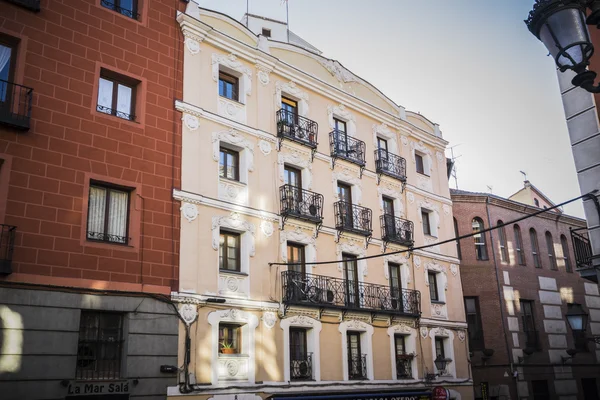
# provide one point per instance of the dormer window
(266, 32)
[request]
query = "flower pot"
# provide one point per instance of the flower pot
(228, 351)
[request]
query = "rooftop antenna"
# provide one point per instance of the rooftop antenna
(453, 173)
(490, 188)
(287, 18)
(524, 175)
(247, 12)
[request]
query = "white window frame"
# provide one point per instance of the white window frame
(343, 114)
(236, 141)
(434, 221)
(230, 64)
(313, 343)
(366, 345)
(299, 237)
(410, 345)
(292, 92)
(448, 337)
(294, 160)
(384, 132)
(420, 149)
(441, 278)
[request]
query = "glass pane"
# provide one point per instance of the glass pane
(117, 218)
(96, 210)
(126, 5)
(124, 101)
(105, 94)
(5, 62)
(470, 305)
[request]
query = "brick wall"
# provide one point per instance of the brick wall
(60, 53)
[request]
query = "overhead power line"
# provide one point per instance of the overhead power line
(590, 195)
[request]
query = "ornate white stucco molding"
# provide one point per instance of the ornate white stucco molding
(235, 222)
(342, 112)
(189, 211)
(298, 236)
(263, 74)
(235, 138)
(351, 177)
(190, 121)
(384, 131)
(298, 159)
(391, 190)
(366, 344)
(291, 89)
(231, 61)
(338, 71)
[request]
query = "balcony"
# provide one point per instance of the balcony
(15, 105)
(300, 204)
(390, 165)
(33, 5)
(296, 128)
(396, 230)
(347, 148)
(7, 242)
(335, 293)
(357, 366)
(301, 369)
(353, 218)
(404, 366)
(583, 254)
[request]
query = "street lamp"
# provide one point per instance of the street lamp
(561, 26)
(440, 363)
(578, 319)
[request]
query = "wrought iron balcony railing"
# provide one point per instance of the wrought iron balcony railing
(7, 242)
(33, 5)
(390, 164)
(15, 105)
(299, 203)
(347, 148)
(404, 366)
(299, 129)
(582, 248)
(353, 218)
(397, 230)
(111, 4)
(328, 292)
(301, 368)
(116, 113)
(357, 366)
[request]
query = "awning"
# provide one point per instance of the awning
(420, 395)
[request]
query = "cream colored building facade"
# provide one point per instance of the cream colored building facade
(349, 325)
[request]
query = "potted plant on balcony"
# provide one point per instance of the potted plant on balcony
(227, 347)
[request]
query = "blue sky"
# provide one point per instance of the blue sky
(470, 65)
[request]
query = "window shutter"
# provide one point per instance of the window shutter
(96, 211)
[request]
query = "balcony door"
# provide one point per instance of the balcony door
(382, 147)
(345, 195)
(355, 367)
(300, 366)
(389, 214)
(290, 111)
(297, 271)
(293, 193)
(395, 287)
(341, 137)
(8, 55)
(351, 280)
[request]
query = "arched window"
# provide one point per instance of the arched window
(535, 248)
(480, 246)
(565, 250)
(458, 252)
(551, 253)
(519, 245)
(503, 246)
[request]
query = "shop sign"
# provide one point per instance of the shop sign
(439, 393)
(97, 388)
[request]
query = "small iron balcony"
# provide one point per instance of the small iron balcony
(7, 242)
(357, 366)
(404, 366)
(347, 148)
(396, 230)
(296, 128)
(584, 257)
(324, 291)
(353, 218)
(15, 105)
(301, 367)
(301, 204)
(390, 164)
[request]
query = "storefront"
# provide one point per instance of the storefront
(379, 395)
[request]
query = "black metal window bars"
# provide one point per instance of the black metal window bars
(352, 218)
(116, 113)
(327, 292)
(404, 366)
(347, 148)
(301, 368)
(100, 346)
(112, 5)
(7, 242)
(15, 105)
(300, 204)
(357, 366)
(390, 165)
(582, 248)
(299, 129)
(396, 230)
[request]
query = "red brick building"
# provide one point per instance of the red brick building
(518, 282)
(89, 155)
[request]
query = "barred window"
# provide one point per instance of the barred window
(100, 345)
(108, 214)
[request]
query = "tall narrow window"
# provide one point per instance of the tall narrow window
(456, 234)
(388, 206)
(395, 286)
(503, 244)
(295, 256)
(439, 348)
(426, 222)
(229, 164)
(228, 86)
(420, 163)
(300, 359)
(108, 213)
(230, 339)
(8, 61)
(339, 125)
(346, 210)
(474, 326)
(116, 95)
(292, 176)
(357, 366)
(479, 237)
(528, 321)
(290, 110)
(551, 253)
(403, 360)
(229, 251)
(566, 256)
(535, 248)
(351, 280)
(519, 245)
(100, 346)
(433, 286)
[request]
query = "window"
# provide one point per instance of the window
(420, 164)
(116, 95)
(357, 364)
(565, 250)
(474, 326)
(395, 285)
(535, 248)
(403, 361)
(230, 336)
(292, 176)
(528, 320)
(229, 164)
(290, 108)
(433, 289)
(127, 8)
(480, 246)
(228, 86)
(108, 213)
(551, 253)
(539, 390)
(266, 32)
(339, 125)
(536, 202)
(439, 348)
(351, 280)
(8, 61)
(100, 345)
(519, 245)
(503, 245)
(426, 222)
(229, 251)
(456, 234)
(300, 359)
(388, 206)
(295, 255)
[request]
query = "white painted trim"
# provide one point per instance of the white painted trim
(233, 140)
(313, 343)
(293, 92)
(192, 298)
(366, 344)
(298, 236)
(448, 336)
(410, 343)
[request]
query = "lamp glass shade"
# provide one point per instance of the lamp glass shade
(577, 318)
(565, 35)
(440, 363)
